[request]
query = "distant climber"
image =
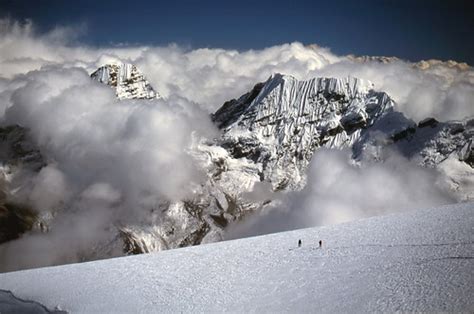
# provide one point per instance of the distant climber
(320, 244)
(299, 243)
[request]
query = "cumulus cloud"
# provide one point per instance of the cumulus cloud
(109, 161)
(82, 125)
(338, 191)
(50, 189)
(212, 76)
(442, 91)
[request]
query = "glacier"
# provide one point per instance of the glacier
(419, 261)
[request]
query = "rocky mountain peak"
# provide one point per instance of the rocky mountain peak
(281, 122)
(127, 80)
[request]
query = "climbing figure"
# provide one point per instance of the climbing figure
(299, 243)
(320, 244)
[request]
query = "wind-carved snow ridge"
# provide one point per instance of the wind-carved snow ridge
(127, 80)
(280, 123)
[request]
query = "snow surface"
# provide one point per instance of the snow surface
(416, 261)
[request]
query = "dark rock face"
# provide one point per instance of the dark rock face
(353, 122)
(405, 134)
(17, 151)
(15, 220)
(431, 122)
(17, 148)
(9, 303)
(249, 148)
(467, 153)
(233, 109)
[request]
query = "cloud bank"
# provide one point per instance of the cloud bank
(338, 191)
(109, 161)
(212, 76)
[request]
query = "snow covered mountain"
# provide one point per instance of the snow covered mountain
(445, 146)
(268, 135)
(282, 122)
(128, 81)
(420, 261)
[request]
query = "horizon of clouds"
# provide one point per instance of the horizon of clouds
(211, 77)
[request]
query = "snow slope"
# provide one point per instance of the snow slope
(415, 261)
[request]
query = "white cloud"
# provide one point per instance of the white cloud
(442, 91)
(212, 76)
(110, 161)
(338, 191)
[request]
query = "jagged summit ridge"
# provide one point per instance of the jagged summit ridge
(127, 80)
(280, 123)
(287, 93)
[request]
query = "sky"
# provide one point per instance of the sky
(412, 30)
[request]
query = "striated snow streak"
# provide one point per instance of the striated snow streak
(288, 119)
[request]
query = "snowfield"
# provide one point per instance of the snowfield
(416, 261)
